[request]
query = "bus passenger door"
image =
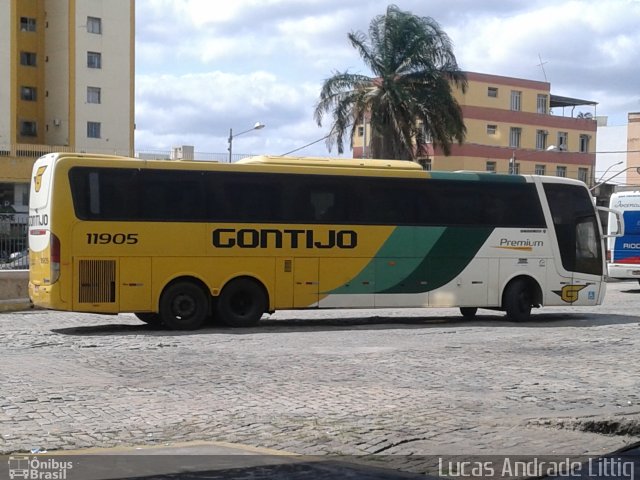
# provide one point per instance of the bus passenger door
(306, 283)
(577, 277)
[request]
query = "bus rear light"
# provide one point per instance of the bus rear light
(54, 246)
(608, 255)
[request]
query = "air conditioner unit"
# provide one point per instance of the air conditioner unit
(185, 152)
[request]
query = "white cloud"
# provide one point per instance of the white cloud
(204, 67)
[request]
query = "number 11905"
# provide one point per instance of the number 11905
(112, 238)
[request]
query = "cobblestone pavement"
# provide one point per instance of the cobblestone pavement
(400, 383)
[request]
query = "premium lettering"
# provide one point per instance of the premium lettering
(505, 242)
(286, 238)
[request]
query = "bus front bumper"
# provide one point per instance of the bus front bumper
(618, 270)
(40, 295)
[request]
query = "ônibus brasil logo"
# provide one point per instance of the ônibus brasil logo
(38, 468)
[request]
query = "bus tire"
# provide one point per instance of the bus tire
(150, 318)
(184, 306)
(517, 301)
(241, 303)
(469, 312)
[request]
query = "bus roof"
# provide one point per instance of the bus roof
(313, 165)
(363, 163)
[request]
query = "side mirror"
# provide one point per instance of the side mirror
(616, 223)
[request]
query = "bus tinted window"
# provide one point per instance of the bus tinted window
(575, 223)
(243, 198)
(170, 195)
(101, 194)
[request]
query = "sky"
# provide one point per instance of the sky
(204, 67)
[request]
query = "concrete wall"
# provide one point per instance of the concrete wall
(14, 293)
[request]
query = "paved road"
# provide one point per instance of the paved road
(403, 384)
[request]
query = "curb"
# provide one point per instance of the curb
(15, 305)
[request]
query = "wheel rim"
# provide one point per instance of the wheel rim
(241, 303)
(183, 306)
(524, 302)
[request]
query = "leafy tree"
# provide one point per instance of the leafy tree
(410, 97)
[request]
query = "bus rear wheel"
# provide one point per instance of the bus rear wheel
(517, 301)
(241, 303)
(184, 306)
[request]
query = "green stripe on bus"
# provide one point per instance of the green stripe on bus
(418, 259)
(399, 256)
(453, 251)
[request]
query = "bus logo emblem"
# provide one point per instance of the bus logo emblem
(37, 180)
(569, 293)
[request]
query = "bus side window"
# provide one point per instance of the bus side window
(253, 202)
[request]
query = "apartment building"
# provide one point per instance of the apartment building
(516, 125)
(66, 84)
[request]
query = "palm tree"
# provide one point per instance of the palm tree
(409, 99)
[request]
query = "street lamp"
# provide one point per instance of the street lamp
(602, 182)
(607, 170)
(257, 126)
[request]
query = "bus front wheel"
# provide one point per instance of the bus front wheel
(518, 301)
(468, 312)
(241, 303)
(184, 306)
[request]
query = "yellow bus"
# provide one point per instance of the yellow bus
(180, 243)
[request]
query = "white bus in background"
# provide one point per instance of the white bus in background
(623, 252)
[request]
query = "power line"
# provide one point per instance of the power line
(307, 145)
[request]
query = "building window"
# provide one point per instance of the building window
(584, 143)
(29, 94)
(542, 104)
(94, 25)
(28, 129)
(93, 95)
(540, 170)
(492, 129)
(514, 167)
(28, 59)
(563, 141)
(516, 100)
(360, 131)
(492, 92)
(94, 60)
(583, 174)
(561, 171)
(541, 139)
(426, 164)
(515, 133)
(93, 129)
(27, 24)
(491, 167)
